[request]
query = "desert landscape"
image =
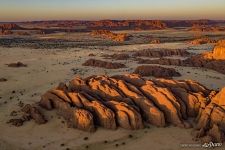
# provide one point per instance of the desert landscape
(103, 85)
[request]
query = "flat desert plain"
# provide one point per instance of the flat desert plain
(58, 57)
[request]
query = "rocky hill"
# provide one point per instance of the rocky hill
(130, 101)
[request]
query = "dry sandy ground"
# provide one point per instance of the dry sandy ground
(46, 68)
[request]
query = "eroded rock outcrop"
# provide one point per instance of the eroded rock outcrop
(202, 41)
(10, 26)
(156, 71)
(6, 32)
(34, 113)
(160, 53)
(161, 61)
(28, 112)
(194, 61)
(121, 56)
(6, 29)
(206, 28)
(218, 52)
(75, 116)
(118, 37)
(157, 41)
(128, 101)
(211, 121)
(126, 25)
(103, 64)
(214, 60)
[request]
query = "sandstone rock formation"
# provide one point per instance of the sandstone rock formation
(10, 26)
(75, 116)
(6, 29)
(206, 28)
(103, 64)
(214, 60)
(29, 112)
(6, 32)
(156, 71)
(218, 52)
(118, 37)
(191, 23)
(211, 122)
(155, 42)
(129, 101)
(202, 41)
(194, 61)
(160, 53)
(161, 61)
(123, 24)
(34, 114)
(122, 56)
(126, 25)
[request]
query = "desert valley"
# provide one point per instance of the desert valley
(112, 84)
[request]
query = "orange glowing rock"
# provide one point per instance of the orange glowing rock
(129, 100)
(118, 37)
(202, 41)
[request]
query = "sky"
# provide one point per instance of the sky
(28, 10)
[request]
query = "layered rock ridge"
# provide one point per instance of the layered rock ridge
(130, 101)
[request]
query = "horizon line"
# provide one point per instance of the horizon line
(42, 20)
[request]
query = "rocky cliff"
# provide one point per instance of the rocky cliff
(218, 52)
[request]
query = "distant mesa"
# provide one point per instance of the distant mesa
(48, 27)
(121, 24)
(192, 23)
(7, 29)
(206, 28)
(118, 37)
(126, 25)
(10, 26)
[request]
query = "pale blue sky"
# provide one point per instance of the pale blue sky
(21, 10)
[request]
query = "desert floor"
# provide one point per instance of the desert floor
(47, 67)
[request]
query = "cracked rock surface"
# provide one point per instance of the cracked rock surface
(129, 101)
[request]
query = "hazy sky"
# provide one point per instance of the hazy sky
(22, 10)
